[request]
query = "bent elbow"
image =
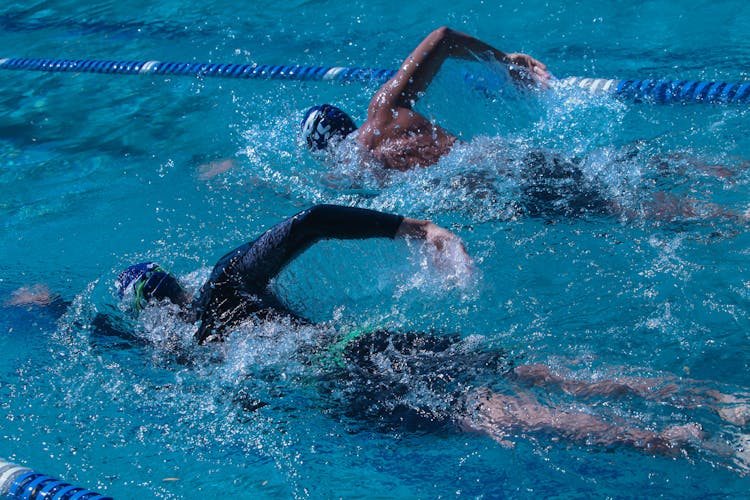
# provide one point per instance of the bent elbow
(313, 215)
(441, 32)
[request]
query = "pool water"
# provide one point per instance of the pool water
(101, 171)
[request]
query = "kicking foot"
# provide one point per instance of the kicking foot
(742, 452)
(681, 435)
(731, 409)
(736, 412)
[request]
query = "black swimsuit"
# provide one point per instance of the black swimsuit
(408, 380)
(554, 186)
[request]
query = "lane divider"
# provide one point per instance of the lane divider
(22, 483)
(649, 90)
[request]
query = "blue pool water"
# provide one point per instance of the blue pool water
(100, 171)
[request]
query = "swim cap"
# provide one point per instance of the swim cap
(323, 122)
(149, 280)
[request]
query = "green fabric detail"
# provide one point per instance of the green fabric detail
(334, 356)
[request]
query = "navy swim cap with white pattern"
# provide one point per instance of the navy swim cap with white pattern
(322, 123)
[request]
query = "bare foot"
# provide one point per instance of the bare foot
(742, 452)
(681, 435)
(731, 409)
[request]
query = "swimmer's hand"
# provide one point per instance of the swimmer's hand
(525, 69)
(443, 240)
(35, 295)
(208, 171)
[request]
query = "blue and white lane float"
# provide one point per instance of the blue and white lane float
(650, 90)
(22, 483)
(664, 91)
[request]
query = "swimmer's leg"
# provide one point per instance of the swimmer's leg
(668, 207)
(499, 415)
(733, 409)
(648, 388)
(666, 165)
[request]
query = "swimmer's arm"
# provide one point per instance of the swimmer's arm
(38, 296)
(34, 295)
(103, 325)
(270, 253)
(337, 222)
(420, 67)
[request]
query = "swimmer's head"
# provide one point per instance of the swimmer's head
(323, 123)
(148, 281)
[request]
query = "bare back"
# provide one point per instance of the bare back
(405, 139)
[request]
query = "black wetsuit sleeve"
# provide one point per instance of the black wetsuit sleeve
(266, 257)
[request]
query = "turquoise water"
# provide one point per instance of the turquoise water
(100, 171)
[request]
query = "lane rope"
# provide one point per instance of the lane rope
(22, 483)
(651, 90)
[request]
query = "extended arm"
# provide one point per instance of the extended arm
(256, 263)
(421, 66)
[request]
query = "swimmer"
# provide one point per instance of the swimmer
(430, 381)
(416, 379)
(238, 286)
(394, 133)
(383, 374)
(399, 138)
(426, 381)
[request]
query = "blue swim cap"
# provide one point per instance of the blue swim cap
(149, 281)
(323, 122)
